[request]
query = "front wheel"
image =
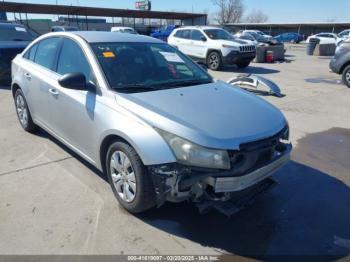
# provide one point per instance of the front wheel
(214, 61)
(346, 76)
(129, 179)
(243, 64)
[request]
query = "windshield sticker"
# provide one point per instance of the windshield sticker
(21, 29)
(172, 57)
(108, 55)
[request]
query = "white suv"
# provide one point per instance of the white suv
(213, 46)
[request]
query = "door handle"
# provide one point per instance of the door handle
(53, 91)
(28, 76)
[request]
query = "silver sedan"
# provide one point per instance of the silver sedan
(150, 118)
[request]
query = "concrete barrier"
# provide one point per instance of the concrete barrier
(278, 53)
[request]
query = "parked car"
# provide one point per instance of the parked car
(325, 38)
(13, 39)
(259, 38)
(258, 35)
(123, 29)
(64, 28)
(289, 38)
(164, 32)
(248, 39)
(150, 118)
(213, 46)
(344, 34)
(340, 64)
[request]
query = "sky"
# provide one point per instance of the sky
(279, 11)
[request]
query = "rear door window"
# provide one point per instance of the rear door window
(179, 34)
(46, 52)
(186, 34)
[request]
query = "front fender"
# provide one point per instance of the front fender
(150, 146)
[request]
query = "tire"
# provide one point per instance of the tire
(243, 64)
(346, 76)
(23, 113)
(214, 61)
(134, 192)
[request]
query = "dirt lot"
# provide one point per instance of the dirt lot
(52, 202)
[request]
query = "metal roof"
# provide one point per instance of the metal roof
(292, 24)
(91, 11)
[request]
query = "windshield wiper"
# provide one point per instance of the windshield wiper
(191, 82)
(135, 88)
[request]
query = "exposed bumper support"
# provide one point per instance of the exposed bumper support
(176, 183)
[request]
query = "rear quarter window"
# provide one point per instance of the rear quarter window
(30, 54)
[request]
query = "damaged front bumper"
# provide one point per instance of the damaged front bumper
(176, 183)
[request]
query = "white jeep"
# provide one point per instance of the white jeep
(213, 46)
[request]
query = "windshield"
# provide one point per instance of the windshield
(136, 67)
(218, 34)
(15, 34)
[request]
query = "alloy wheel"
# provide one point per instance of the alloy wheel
(123, 176)
(347, 76)
(214, 61)
(22, 110)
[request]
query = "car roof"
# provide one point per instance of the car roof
(111, 37)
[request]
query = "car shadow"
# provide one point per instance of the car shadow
(5, 87)
(303, 215)
(307, 214)
(323, 80)
(251, 70)
(43, 134)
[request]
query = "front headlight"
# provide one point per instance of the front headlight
(191, 154)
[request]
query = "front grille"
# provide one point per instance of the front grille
(247, 49)
(254, 155)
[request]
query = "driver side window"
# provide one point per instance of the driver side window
(72, 60)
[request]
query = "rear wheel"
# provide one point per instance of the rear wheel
(23, 112)
(346, 76)
(129, 179)
(243, 64)
(214, 61)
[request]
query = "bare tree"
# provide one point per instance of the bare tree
(230, 11)
(257, 16)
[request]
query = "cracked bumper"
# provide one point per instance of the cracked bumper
(176, 183)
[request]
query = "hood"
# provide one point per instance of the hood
(235, 42)
(214, 115)
(14, 44)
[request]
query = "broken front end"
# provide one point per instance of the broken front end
(228, 191)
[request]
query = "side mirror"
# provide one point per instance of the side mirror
(75, 81)
(203, 38)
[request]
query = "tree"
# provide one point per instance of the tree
(230, 11)
(257, 16)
